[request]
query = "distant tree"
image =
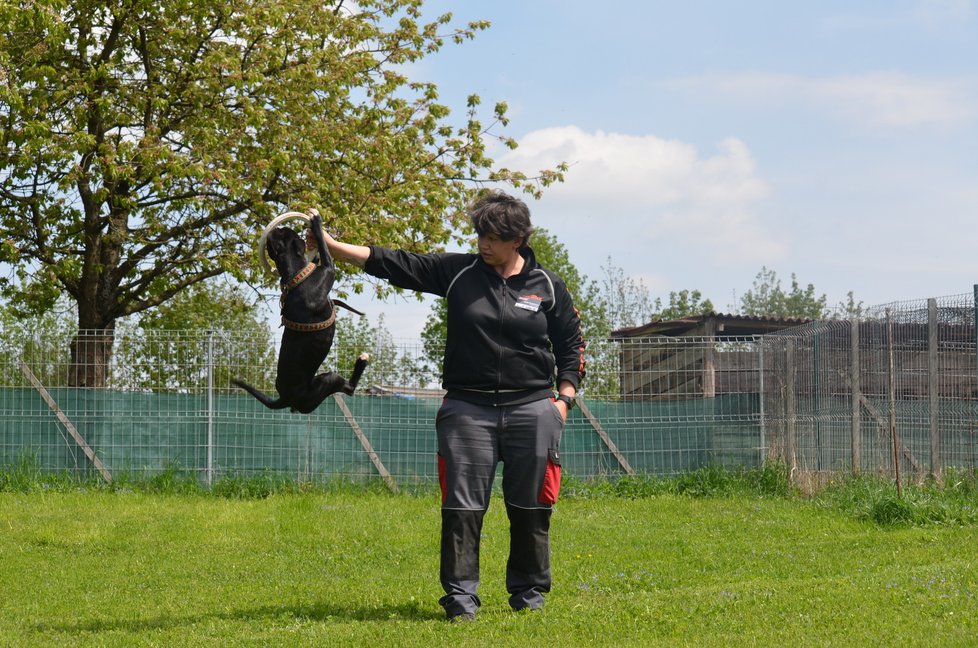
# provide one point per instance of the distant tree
(850, 308)
(204, 336)
(613, 302)
(685, 303)
(211, 304)
(433, 335)
(38, 341)
(616, 301)
(768, 299)
(389, 364)
(144, 144)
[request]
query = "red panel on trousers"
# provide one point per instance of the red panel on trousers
(551, 479)
(441, 478)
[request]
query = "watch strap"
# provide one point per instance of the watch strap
(567, 400)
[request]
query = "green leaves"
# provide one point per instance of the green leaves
(768, 299)
(151, 142)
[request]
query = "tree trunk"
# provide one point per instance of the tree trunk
(91, 348)
(91, 353)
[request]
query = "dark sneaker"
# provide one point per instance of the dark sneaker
(528, 609)
(462, 617)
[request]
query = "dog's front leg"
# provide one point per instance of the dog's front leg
(316, 225)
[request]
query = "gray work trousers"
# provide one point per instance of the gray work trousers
(472, 440)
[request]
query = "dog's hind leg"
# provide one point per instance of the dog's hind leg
(358, 368)
(263, 398)
(326, 384)
(320, 387)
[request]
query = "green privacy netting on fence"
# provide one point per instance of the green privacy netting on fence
(85, 431)
(351, 437)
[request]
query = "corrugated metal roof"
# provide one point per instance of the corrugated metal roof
(727, 325)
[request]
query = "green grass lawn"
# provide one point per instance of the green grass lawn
(88, 567)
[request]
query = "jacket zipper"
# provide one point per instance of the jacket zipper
(499, 338)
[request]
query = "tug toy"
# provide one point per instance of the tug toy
(278, 220)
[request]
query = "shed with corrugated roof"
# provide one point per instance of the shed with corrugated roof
(715, 355)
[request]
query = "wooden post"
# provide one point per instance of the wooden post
(709, 361)
(72, 430)
(762, 397)
(892, 399)
(856, 389)
(790, 408)
(596, 424)
(365, 442)
(933, 389)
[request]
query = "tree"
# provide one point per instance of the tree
(206, 335)
(33, 340)
(614, 302)
(767, 299)
(684, 303)
(388, 365)
(850, 309)
(144, 144)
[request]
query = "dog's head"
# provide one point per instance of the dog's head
(284, 243)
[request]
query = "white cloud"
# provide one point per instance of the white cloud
(632, 194)
(895, 99)
(877, 99)
(611, 169)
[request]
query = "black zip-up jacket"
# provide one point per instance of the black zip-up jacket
(509, 340)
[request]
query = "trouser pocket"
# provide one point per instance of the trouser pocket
(550, 488)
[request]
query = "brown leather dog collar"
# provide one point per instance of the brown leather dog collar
(299, 278)
(314, 326)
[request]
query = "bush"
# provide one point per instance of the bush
(875, 499)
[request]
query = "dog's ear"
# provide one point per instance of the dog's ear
(295, 243)
(273, 244)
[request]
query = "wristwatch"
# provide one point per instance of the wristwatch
(566, 400)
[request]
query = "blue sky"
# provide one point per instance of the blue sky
(708, 138)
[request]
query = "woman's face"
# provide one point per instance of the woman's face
(495, 251)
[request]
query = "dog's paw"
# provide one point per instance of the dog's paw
(315, 219)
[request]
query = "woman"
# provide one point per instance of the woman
(512, 334)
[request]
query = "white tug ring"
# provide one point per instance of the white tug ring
(278, 220)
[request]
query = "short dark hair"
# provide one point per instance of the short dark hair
(503, 215)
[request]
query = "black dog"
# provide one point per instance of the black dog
(309, 318)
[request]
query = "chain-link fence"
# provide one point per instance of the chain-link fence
(891, 391)
(167, 401)
(895, 388)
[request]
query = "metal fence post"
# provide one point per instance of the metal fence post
(790, 408)
(855, 389)
(210, 407)
(891, 397)
(760, 362)
(933, 366)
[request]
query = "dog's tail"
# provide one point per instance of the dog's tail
(265, 399)
(343, 304)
